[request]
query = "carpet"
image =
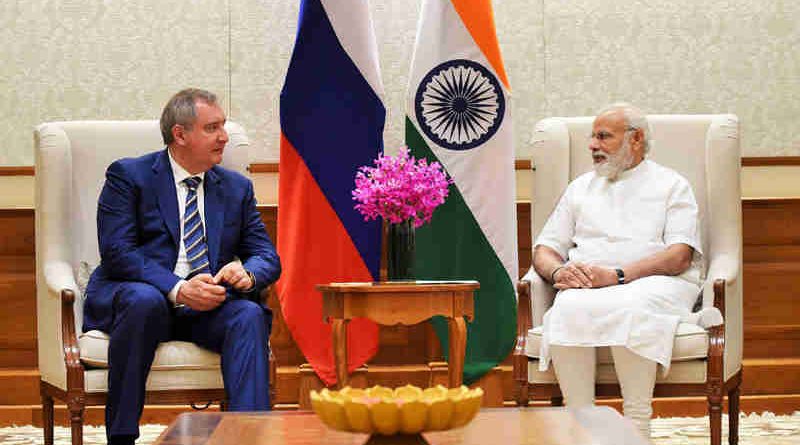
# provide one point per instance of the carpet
(754, 429)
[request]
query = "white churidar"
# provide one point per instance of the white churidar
(637, 377)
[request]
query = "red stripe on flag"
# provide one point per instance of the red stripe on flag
(315, 249)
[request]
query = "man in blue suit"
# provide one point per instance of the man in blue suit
(184, 255)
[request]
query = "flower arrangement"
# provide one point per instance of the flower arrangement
(400, 188)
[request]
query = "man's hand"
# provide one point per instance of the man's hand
(573, 276)
(201, 293)
(603, 276)
(234, 274)
(584, 276)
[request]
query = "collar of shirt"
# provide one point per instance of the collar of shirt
(640, 167)
(180, 173)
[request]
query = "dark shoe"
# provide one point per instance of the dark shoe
(121, 440)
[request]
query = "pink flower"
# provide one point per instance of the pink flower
(399, 188)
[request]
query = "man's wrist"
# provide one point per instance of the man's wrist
(554, 272)
(172, 296)
(620, 276)
(252, 281)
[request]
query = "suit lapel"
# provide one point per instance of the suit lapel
(164, 185)
(214, 212)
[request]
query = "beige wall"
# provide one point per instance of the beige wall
(110, 59)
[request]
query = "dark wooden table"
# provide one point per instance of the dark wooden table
(500, 426)
(390, 303)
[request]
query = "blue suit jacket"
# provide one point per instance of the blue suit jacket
(137, 229)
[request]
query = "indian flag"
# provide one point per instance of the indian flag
(458, 114)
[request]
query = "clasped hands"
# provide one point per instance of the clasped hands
(583, 276)
(204, 292)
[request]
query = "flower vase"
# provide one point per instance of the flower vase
(401, 245)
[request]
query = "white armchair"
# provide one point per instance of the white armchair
(71, 159)
(705, 150)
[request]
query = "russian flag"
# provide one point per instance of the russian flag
(332, 119)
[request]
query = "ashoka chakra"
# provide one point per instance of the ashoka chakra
(459, 104)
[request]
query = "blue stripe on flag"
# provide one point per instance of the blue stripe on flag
(334, 120)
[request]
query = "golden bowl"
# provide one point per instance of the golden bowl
(404, 410)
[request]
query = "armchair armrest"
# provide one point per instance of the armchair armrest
(723, 290)
(534, 298)
(523, 325)
(716, 346)
(56, 330)
(61, 283)
(722, 267)
(69, 341)
(542, 296)
(59, 277)
(519, 361)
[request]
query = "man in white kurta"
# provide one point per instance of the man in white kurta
(623, 247)
(612, 224)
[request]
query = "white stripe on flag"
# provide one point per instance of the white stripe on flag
(356, 35)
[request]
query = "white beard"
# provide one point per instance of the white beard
(615, 164)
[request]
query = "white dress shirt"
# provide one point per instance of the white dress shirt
(182, 266)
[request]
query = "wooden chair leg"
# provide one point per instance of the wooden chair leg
(523, 396)
(733, 416)
(715, 418)
(557, 401)
(47, 418)
(76, 421)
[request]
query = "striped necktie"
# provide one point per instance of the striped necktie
(193, 234)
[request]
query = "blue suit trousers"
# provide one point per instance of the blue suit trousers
(143, 317)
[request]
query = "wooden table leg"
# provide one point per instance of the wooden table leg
(340, 351)
(457, 328)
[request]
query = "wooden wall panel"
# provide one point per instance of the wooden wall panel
(17, 321)
(772, 291)
(17, 289)
(771, 222)
(17, 236)
(771, 239)
(773, 341)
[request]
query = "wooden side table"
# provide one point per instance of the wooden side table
(390, 303)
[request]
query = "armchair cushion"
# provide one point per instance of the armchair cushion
(692, 371)
(691, 343)
(96, 381)
(171, 355)
(82, 276)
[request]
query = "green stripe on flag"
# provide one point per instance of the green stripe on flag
(453, 246)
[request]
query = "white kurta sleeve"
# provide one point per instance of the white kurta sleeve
(682, 225)
(559, 229)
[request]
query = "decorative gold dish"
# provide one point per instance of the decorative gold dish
(407, 410)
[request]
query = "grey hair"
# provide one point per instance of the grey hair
(181, 110)
(635, 119)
